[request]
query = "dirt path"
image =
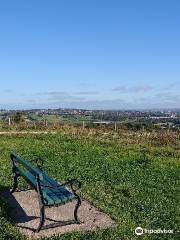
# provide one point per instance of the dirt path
(27, 132)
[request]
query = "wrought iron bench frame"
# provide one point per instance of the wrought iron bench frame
(74, 184)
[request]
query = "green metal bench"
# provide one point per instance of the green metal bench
(50, 192)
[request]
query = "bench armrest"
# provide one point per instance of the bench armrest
(74, 184)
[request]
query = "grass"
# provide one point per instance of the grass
(48, 118)
(132, 177)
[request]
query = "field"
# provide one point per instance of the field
(132, 176)
(61, 119)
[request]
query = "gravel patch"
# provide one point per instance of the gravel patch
(25, 212)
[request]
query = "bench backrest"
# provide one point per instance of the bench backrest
(18, 161)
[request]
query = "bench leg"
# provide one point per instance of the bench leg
(41, 204)
(78, 204)
(42, 218)
(15, 183)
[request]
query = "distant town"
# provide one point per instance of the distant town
(131, 119)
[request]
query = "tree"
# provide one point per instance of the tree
(18, 117)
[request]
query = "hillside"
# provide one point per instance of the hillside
(132, 176)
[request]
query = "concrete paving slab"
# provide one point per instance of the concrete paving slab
(25, 212)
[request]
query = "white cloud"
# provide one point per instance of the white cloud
(133, 89)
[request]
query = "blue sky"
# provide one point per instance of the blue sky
(96, 54)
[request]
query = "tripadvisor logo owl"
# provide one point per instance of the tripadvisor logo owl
(139, 231)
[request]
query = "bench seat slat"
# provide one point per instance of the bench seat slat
(52, 196)
(63, 191)
(59, 194)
